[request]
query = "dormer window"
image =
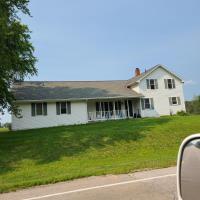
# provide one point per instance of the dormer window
(170, 84)
(152, 84)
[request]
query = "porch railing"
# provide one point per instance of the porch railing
(104, 115)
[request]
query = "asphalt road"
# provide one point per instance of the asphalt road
(156, 185)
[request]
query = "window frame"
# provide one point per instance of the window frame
(147, 103)
(174, 101)
(150, 85)
(178, 101)
(67, 107)
(150, 103)
(170, 83)
(34, 109)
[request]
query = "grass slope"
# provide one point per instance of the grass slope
(49, 155)
(3, 129)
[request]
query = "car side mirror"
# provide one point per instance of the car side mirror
(188, 169)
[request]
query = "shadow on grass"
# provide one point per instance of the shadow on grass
(51, 144)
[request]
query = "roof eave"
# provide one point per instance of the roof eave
(76, 99)
(155, 68)
(133, 84)
(165, 68)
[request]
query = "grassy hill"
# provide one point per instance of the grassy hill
(49, 155)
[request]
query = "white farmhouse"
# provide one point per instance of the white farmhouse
(153, 93)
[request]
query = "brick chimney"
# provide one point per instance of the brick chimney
(137, 71)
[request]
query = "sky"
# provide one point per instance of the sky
(108, 39)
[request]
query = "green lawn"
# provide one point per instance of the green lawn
(50, 155)
(3, 129)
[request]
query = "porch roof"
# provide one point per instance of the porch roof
(74, 90)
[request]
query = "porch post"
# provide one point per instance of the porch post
(128, 108)
(87, 111)
(133, 107)
(100, 109)
(114, 110)
(140, 109)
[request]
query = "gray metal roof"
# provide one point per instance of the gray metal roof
(74, 90)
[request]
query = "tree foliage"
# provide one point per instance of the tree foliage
(193, 106)
(16, 51)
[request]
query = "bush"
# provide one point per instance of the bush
(182, 113)
(8, 125)
(193, 106)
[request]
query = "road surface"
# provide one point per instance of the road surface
(155, 184)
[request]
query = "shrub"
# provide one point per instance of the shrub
(182, 113)
(7, 125)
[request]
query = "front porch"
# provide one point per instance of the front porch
(99, 110)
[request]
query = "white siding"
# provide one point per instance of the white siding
(161, 95)
(91, 106)
(79, 109)
(78, 116)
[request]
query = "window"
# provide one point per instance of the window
(174, 101)
(117, 105)
(111, 106)
(63, 108)
(170, 84)
(98, 106)
(152, 84)
(38, 109)
(108, 106)
(147, 103)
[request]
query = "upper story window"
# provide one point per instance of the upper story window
(63, 107)
(174, 101)
(147, 103)
(152, 84)
(170, 84)
(38, 109)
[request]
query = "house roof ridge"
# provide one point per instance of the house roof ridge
(136, 79)
(73, 81)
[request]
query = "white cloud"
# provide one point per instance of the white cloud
(190, 82)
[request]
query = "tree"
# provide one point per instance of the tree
(193, 106)
(196, 105)
(16, 51)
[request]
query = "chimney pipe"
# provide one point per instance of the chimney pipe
(137, 72)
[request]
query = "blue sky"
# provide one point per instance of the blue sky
(107, 39)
